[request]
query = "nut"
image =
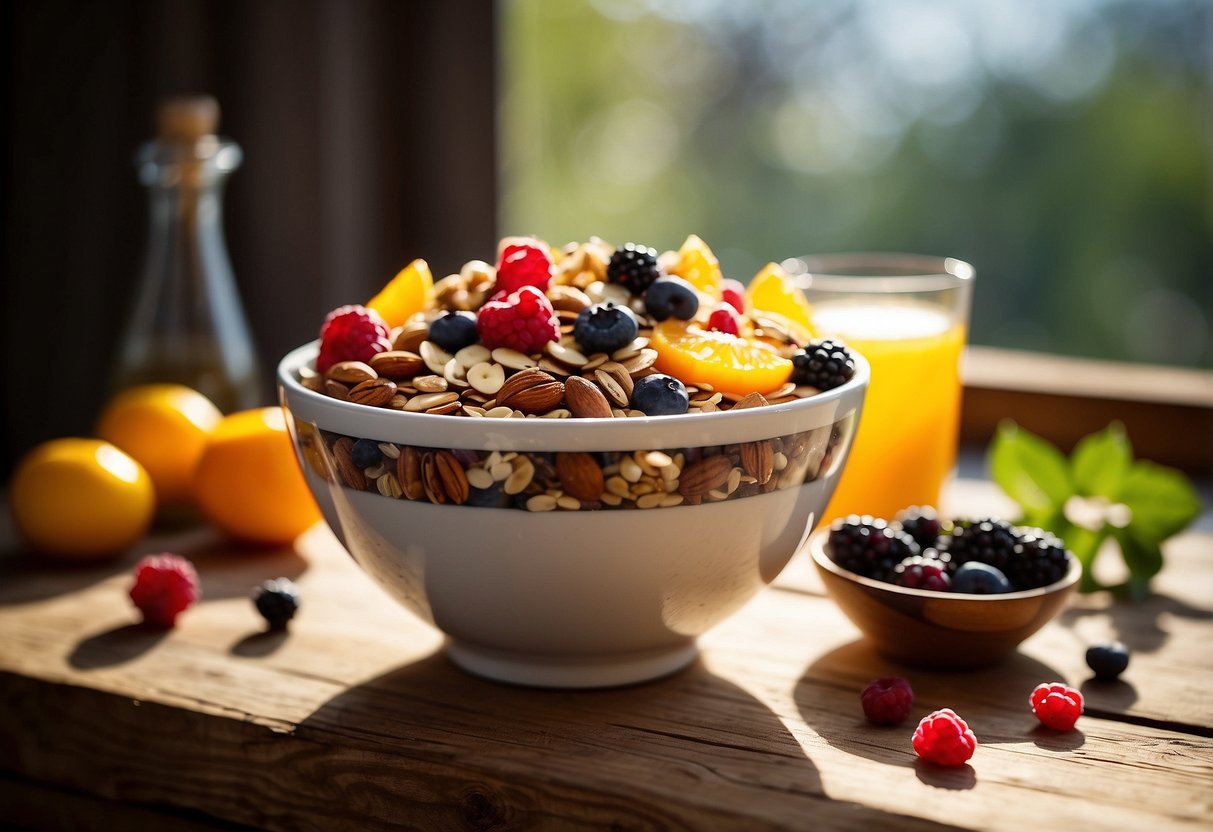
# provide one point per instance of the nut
(579, 475)
(432, 480)
(408, 472)
(758, 460)
(705, 475)
(343, 454)
(751, 400)
(568, 298)
(410, 336)
(531, 391)
(337, 390)
(486, 378)
(616, 382)
(454, 480)
(585, 400)
(351, 372)
(374, 392)
(397, 364)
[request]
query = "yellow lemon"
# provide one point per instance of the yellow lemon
(81, 499)
(406, 294)
(164, 427)
(773, 292)
(248, 482)
(698, 266)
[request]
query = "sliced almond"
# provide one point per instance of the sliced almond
(425, 401)
(486, 377)
(472, 355)
(513, 359)
(434, 357)
(430, 384)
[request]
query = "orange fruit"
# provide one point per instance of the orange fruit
(248, 482)
(406, 294)
(773, 293)
(698, 266)
(164, 427)
(729, 363)
(81, 499)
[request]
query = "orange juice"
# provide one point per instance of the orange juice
(906, 443)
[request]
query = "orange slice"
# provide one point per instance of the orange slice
(773, 292)
(406, 294)
(729, 363)
(698, 266)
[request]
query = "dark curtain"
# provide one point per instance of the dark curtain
(367, 128)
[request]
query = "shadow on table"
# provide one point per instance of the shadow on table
(488, 755)
(1136, 624)
(115, 646)
(994, 701)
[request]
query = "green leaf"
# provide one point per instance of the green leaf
(1101, 462)
(1162, 500)
(1031, 471)
(1143, 559)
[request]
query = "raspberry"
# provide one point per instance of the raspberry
(524, 264)
(922, 572)
(351, 333)
(942, 737)
(523, 320)
(868, 547)
(887, 701)
(634, 266)
(165, 585)
(732, 292)
(1056, 705)
(724, 319)
(277, 601)
(823, 364)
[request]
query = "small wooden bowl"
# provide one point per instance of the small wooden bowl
(942, 630)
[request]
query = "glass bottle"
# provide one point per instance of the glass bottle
(187, 325)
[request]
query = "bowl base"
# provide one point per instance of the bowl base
(556, 671)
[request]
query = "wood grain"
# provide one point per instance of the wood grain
(354, 719)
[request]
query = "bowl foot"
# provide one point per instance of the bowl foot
(557, 671)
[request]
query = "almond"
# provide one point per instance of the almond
(374, 392)
(336, 389)
(705, 475)
(410, 336)
(751, 400)
(579, 475)
(454, 480)
(585, 400)
(397, 364)
(537, 400)
(351, 372)
(408, 471)
(343, 454)
(758, 460)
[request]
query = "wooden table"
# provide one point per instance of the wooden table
(356, 720)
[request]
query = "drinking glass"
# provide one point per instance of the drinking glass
(908, 315)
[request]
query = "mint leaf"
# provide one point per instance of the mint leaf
(1101, 462)
(1162, 500)
(1031, 471)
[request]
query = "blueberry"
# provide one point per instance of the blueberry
(604, 327)
(1108, 660)
(660, 395)
(366, 453)
(454, 330)
(492, 497)
(671, 297)
(277, 601)
(978, 578)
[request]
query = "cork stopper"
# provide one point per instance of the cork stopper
(187, 119)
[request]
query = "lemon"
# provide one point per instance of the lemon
(248, 482)
(164, 427)
(81, 499)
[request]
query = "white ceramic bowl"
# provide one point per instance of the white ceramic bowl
(577, 598)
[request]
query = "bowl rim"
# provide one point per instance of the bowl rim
(582, 433)
(816, 547)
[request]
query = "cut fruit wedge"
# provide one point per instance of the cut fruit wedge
(729, 363)
(773, 292)
(698, 266)
(406, 294)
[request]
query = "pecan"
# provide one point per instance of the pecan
(351, 474)
(375, 392)
(705, 475)
(450, 473)
(585, 400)
(432, 480)
(580, 476)
(758, 460)
(408, 471)
(397, 364)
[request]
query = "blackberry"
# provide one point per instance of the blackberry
(1040, 559)
(868, 547)
(922, 572)
(634, 267)
(823, 364)
(277, 601)
(989, 540)
(920, 523)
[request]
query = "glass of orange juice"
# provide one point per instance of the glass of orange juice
(908, 315)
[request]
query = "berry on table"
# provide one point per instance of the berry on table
(604, 327)
(887, 700)
(660, 395)
(920, 523)
(351, 333)
(732, 292)
(165, 586)
(524, 264)
(523, 320)
(634, 267)
(1109, 660)
(977, 578)
(944, 738)
(277, 601)
(671, 297)
(453, 330)
(922, 572)
(867, 546)
(1040, 559)
(1056, 705)
(724, 319)
(823, 364)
